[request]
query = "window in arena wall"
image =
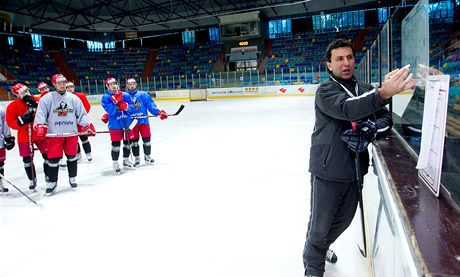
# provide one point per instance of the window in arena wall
(188, 37)
(36, 41)
(338, 21)
(442, 10)
(279, 28)
(95, 46)
(109, 45)
(383, 15)
(214, 35)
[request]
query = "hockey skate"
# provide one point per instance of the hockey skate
(50, 187)
(72, 182)
(137, 161)
(2, 187)
(116, 167)
(127, 163)
(148, 159)
(89, 157)
(331, 256)
(32, 184)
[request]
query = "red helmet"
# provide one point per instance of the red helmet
(109, 81)
(58, 78)
(19, 90)
(130, 80)
(42, 85)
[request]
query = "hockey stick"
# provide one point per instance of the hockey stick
(9, 182)
(173, 114)
(361, 206)
(32, 152)
(360, 200)
(64, 135)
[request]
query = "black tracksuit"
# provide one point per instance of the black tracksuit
(334, 191)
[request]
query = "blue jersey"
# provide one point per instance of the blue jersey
(117, 119)
(142, 103)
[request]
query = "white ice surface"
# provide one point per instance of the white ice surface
(228, 196)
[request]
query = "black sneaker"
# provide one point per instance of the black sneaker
(331, 256)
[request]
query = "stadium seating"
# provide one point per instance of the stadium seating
(120, 63)
(28, 66)
(186, 59)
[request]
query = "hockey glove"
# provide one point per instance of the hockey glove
(41, 131)
(89, 129)
(368, 129)
(30, 101)
(122, 106)
(358, 138)
(9, 142)
(162, 115)
(105, 118)
(116, 97)
(26, 118)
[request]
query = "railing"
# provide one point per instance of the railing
(294, 76)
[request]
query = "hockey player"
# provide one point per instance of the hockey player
(20, 115)
(6, 141)
(43, 88)
(143, 104)
(70, 87)
(59, 112)
(118, 106)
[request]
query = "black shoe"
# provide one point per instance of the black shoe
(331, 256)
(4, 189)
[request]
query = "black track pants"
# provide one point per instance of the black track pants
(333, 206)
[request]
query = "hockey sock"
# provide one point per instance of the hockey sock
(115, 150)
(85, 143)
(29, 167)
(126, 149)
(45, 164)
(72, 165)
(53, 169)
(135, 147)
(147, 146)
(2, 169)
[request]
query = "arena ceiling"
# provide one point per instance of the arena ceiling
(156, 15)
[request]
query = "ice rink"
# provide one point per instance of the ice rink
(228, 196)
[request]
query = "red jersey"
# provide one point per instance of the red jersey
(14, 110)
(84, 100)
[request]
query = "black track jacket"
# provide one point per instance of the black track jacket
(330, 158)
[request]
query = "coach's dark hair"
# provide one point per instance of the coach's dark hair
(338, 43)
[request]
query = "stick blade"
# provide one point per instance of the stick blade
(178, 111)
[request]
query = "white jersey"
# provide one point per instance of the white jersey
(4, 128)
(62, 112)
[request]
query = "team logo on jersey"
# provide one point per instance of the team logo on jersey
(62, 110)
(137, 104)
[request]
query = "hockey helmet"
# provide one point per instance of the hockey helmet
(58, 78)
(42, 86)
(110, 81)
(130, 80)
(19, 90)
